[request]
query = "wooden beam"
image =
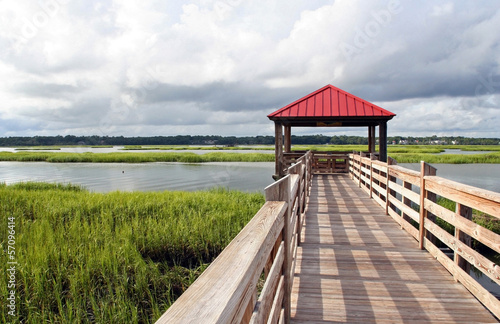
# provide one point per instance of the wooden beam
(278, 148)
(425, 170)
(371, 139)
(466, 212)
(382, 141)
(288, 139)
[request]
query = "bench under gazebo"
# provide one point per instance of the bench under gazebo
(329, 107)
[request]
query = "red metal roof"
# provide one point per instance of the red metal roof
(331, 101)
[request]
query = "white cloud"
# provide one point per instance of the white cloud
(220, 66)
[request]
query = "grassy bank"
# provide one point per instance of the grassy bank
(58, 148)
(358, 148)
(403, 154)
(447, 158)
(130, 157)
(197, 148)
(116, 257)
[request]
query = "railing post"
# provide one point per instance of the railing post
(466, 212)
(287, 264)
(282, 193)
(349, 166)
(388, 192)
(372, 157)
(425, 170)
(360, 157)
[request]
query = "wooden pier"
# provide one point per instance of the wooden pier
(358, 247)
(356, 265)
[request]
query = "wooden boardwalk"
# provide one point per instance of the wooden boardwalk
(356, 265)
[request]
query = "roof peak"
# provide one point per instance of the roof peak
(331, 102)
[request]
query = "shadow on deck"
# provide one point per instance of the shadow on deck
(356, 265)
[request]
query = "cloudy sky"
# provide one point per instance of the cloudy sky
(167, 67)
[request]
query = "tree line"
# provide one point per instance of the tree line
(235, 141)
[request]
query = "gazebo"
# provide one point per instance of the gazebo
(329, 107)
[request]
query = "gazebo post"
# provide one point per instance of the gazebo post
(288, 139)
(278, 148)
(382, 139)
(371, 139)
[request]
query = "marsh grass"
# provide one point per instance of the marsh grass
(478, 217)
(116, 257)
(131, 157)
(473, 147)
(364, 148)
(403, 154)
(201, 148)
(448, 158)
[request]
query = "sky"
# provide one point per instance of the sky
(161, 68)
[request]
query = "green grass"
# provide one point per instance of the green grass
(473, 147)
(130, 157)
(39, 148)
(201, 148)
(116, 257)
(447, 158)
(58, 148)
(364, 148)
(417, 153)
(478, 217)
(403, 154)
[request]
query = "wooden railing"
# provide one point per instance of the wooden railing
(409, 197)
(250, 281)
(322, 162)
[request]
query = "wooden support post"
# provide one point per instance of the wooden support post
(288, 139)
(281, 192)
(371, 175)
(359, 169)
(370, 148)
(382, 141)
(278, 139)
(425, 170)
(466, 212)
(287, 263)
(371, 139)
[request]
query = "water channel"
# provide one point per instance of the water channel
(246, 176)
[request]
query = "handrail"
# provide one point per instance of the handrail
(409, 197)
(265, 250)
(322, 161)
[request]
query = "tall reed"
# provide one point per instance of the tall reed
(116, 257)
(134, 157)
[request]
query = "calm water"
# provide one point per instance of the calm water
(104, 177)
(247, 176)
(458, 151)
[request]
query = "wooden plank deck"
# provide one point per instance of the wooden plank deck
(355, 265)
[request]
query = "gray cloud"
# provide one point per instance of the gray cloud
(221, 96)
(46, 90)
